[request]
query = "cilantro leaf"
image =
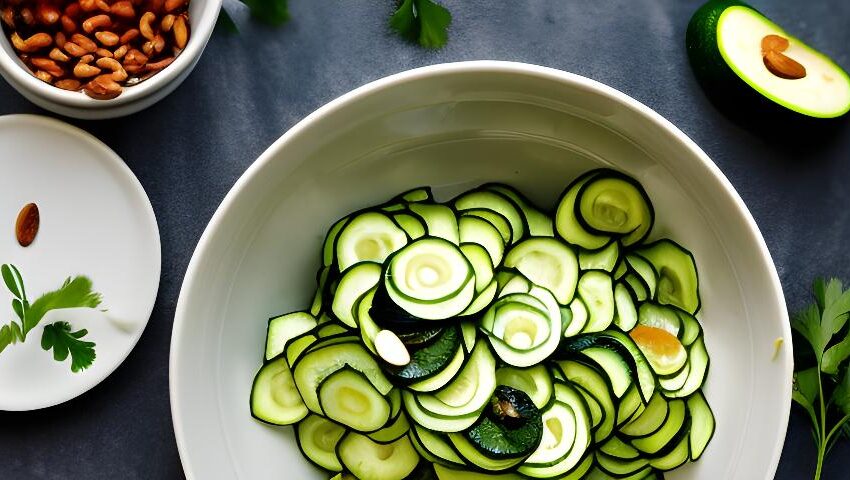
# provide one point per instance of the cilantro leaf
(835, 355)
(13, 282)
(272, 12)
(59, 337)
(841, 395)
(805, 392)
(74, 293)
(423, 22)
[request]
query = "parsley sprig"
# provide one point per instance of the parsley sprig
(74, 293)
(423, 22)
(823, 389)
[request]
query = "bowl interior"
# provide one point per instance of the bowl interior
(454, 127)
(202, 19)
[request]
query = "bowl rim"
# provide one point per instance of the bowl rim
(474, 66)
(20, 78)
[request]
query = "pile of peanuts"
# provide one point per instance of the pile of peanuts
(97, 46)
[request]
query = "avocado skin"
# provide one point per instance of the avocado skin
(503, 440)
(428, 360)
(727, 91)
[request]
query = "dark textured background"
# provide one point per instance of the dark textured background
(249, 88)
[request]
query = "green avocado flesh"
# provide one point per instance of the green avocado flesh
(724, 43)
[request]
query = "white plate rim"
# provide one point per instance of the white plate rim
(135, 189)
(474, 66)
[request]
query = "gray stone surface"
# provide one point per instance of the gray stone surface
(249, 88)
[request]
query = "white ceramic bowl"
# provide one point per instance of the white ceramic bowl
(202, 19)
(453, 126)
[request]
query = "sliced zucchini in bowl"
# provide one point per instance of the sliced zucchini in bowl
(274, 397)
(348, 397)
(365, 458)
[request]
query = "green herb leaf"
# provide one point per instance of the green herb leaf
(835, 355)
(74, 293)
(841, 395)
(272, 12)
(5, 337)
(11, 280)
(422, 21)
(807, 323)
(59, 337)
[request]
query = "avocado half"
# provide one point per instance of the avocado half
(741, 57)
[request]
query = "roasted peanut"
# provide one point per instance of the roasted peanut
(68, 24)
(123, 9)
(73, 10)
(120, 52)
(171, 5)
(158, 43)
(88, 58)
(85, 42)
(135, 57)
(102, 52)
(134, 69)
(181, 32)
(118, 72)
(47, 14)
(27, 16)
(58, 55)
(60, 39)
(43, 76)
(68, 84)
(8, 17)
(98, 21)
(103, 87)
(129, 36)
(167, 23)
(157, 66)
(84, 70)
(74, 50)
(88, 5)
(145, 27)
(31, 44)
(107, 39)
(48, 66)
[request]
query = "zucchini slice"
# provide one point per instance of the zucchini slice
(674, 422)
(546, 262)
(611, 203)
(698, 360)
(593, 381)
(395, 430)
(274, 398)
(678, 284)
(434, 446)
(440, 220)
(366, 458)
(539, 224)
(566, 436)
(606, 258)
(449, 473)
(482, 300)
(317, 439)
(481, 266)
(524, 329)
(412, 224)
(494, 218)
(368, 237)
(348, 397)
(329, 246)
(485, 199)
(317, 305)
(567, 224)
(650, 420)
(353, 284)
(284, 328)
(578, 320)
(617, 448)
(317, 364)
(702, 424)
(480, 231)
(443, 376)
(430, 279)
(659, 316)
(626, 316)
(535, 381)
(469, 391)
(597, 292)
(436, 423)
(414, 195)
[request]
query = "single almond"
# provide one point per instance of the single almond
(26, 227)
(783, 66)
(773, 43)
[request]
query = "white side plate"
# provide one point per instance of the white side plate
(97, 221)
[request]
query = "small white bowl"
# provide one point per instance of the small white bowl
(455, 126)
(202, 19)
